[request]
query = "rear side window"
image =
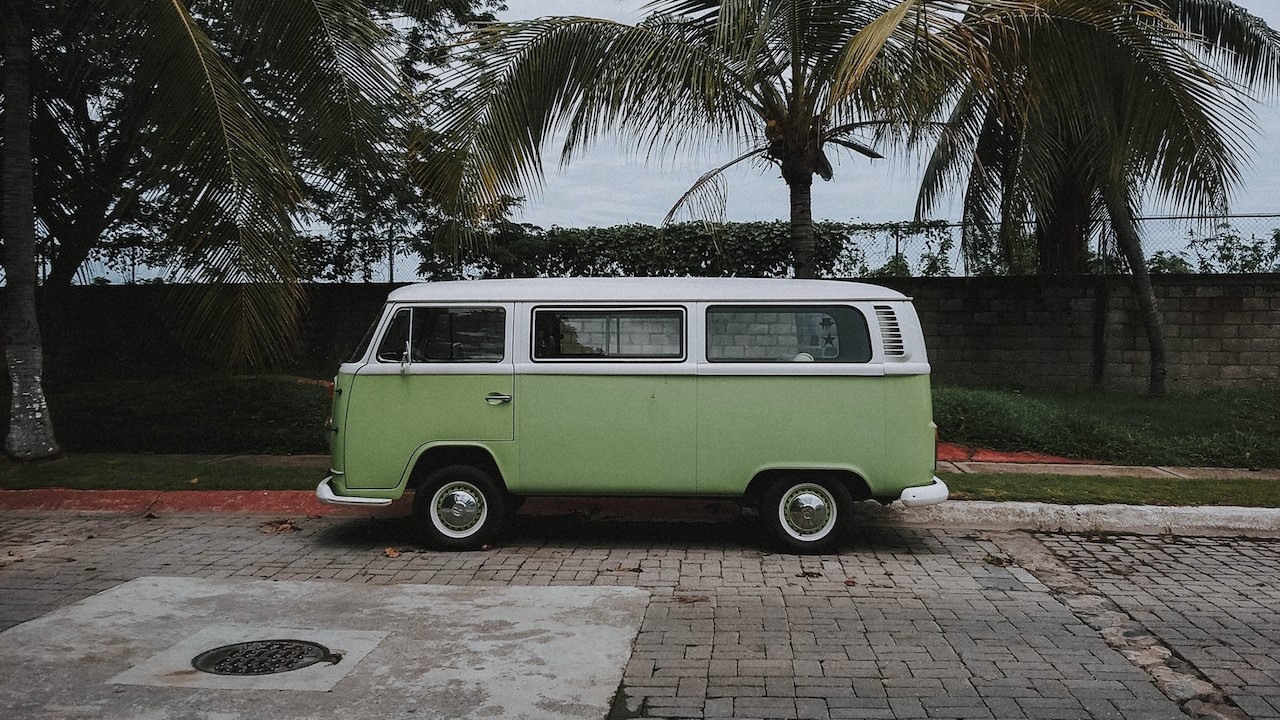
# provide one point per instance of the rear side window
(608, 335)
(835, 333)
(445, 335)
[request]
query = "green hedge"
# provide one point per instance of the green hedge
(758, 249)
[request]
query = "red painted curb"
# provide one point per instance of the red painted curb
(952, 452)
(248, 502)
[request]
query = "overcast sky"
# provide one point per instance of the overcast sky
(611, 184)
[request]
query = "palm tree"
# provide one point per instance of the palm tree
(789, 80)
(239, 187)
(1088, 118)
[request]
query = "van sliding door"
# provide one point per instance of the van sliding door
(606, 402)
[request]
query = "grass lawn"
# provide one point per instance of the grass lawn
(1088, 490)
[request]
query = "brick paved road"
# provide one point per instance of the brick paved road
(919, 623)
(1214, 603)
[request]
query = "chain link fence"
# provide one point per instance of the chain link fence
(1172, 244)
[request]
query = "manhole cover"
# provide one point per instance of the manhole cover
(263, 657)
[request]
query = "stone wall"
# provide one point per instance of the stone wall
(1221, 331)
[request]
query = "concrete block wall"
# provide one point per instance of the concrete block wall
(753, 335)
(1221, 331)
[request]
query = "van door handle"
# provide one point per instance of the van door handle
(497, 398)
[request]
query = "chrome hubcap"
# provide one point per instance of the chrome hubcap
(459, 506)
(807, 510)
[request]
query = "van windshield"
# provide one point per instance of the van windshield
(358, 354)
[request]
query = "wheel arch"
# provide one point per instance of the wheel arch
(852, 481)
(434, 457)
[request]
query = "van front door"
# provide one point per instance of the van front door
(439, 374)
(607, 402)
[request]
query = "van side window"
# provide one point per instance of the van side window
(835, 333)
(608, 335)
(430, 334)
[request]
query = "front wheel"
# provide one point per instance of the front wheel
(807, 516)
(458, 508)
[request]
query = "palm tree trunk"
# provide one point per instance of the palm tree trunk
(30, 428)
(801, 186)
(1131, 245)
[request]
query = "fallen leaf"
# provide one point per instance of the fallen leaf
(808, 574)
(391, 553)
(193, 481)
(997, 561)
(620, 568)
(850, 582)
(691, 598)
(276, 527)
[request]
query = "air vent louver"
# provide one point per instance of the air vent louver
(890, 331)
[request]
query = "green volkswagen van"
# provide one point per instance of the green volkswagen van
(797, 397)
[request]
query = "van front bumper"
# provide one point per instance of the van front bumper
(931, 494)
(325, 494)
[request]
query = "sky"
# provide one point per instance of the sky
(612, 184)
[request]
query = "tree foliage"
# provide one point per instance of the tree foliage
(229, 115)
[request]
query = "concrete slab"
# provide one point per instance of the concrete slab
(1213, 473)
(1132, 471)
(412, 651)
(1109, 518)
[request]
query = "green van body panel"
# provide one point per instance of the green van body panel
(390, 417)
(337, 415)
(607, 434)
(747, 424)
(910, 448)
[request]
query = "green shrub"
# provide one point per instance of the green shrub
(230, 415)
(1222, 428)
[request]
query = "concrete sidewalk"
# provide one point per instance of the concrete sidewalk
(1101, 470)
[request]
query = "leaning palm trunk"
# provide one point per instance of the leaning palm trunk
(1131, 245)
(30, 429)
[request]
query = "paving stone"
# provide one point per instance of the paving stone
(1213, 601)
(928, 629)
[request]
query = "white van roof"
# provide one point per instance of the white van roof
(682, 289)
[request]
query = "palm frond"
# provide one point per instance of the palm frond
(583, 77)
(708, 194)
(1231, 38)
(336, 67)
(238, 186)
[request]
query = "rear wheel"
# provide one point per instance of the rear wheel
(459, 508)
(807, 516)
